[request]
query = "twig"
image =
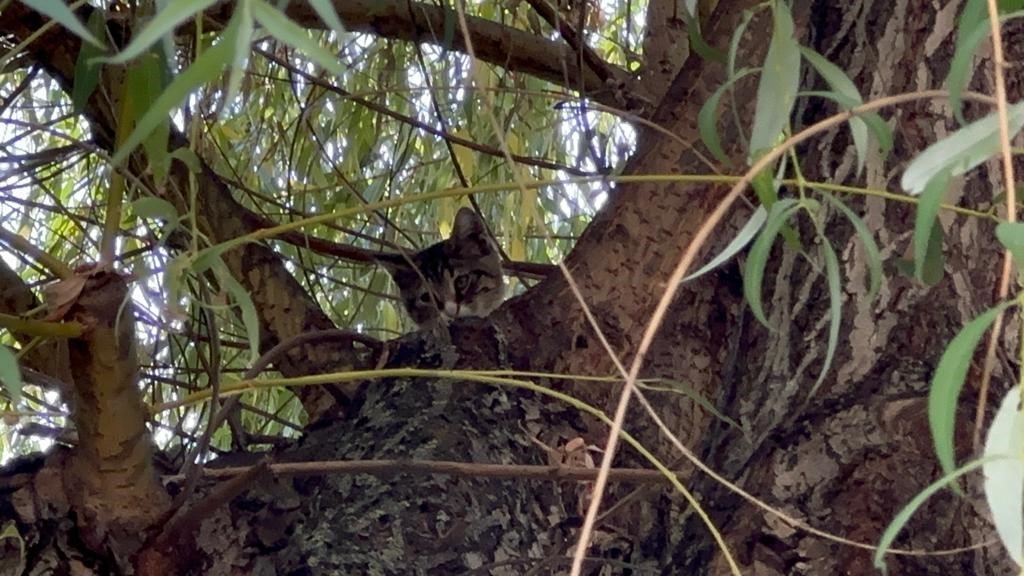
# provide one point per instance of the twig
(999, 65)
(444, 467)
(186, 520)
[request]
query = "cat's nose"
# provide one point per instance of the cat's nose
(451, 309)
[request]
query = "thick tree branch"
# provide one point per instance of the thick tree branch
(665, 46)
(505, 46)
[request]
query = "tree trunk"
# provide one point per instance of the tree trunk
(844, 460)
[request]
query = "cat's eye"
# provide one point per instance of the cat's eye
(461, 283)
(425, 298)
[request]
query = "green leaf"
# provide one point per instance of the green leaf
(879, 128)
(871, 251)
(745, 235)
(187, 157)
(325, 10)
(242, 42)
(835, 299)
(960, 151)
(10, 374)
(934, 258)
(707, 118)
(699, 45)
(881, 131)
(765, 188)
(925, 220)
(144, 81)
(87, 72)
(841, 84)
(1011, 236)
(757, 258)
(205, 69)
(961, 66)
(1004, 478)
(780, 78)
(296, 36)
(904, 515)
(734, 42)
(250, 319)
(972, 28)
(155, 208)
(58, 11)
(163, 23)
(949, 380)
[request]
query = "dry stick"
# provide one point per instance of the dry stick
(699, 239)
(998, 64)
(555, 473)
(193, 473)
(189, 520)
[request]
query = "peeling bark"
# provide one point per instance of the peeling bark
(115, 494)
(845, 460)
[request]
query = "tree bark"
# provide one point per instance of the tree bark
(844, 460)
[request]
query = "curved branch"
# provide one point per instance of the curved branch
(505, 46)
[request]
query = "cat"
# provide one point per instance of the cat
(460, 276)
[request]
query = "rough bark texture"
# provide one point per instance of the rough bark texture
(844, 461)
(847, 459)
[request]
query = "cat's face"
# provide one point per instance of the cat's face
(460, 276)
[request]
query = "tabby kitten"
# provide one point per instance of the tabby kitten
(460, 276)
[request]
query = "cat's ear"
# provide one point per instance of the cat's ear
(467, 225)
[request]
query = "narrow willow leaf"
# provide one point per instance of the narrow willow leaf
(688, 390)
(1004, 478)
(841, 84)
(765, 188)
(871, 251)
(205, 69)
(1011, 236)
(960, 151)
(757, 258)
(927, 211)
(325, 10)
(835, 309)
(949, 380)
(294, 35)
(240, 55)
(207, 258)
(187, 157)
(10, 374)
(58, 11)
(87, 72)
(934, 266)
(250, 319)
(780, 78)
(961, 66)
(144, 81)
(707, 118)
(699, 45)
(156, 208)
(904, 515)
(449, 30)
(974, 12)
(745, 235)
(163, 23)
(881, 130)
(872, 121)
(734, 43)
